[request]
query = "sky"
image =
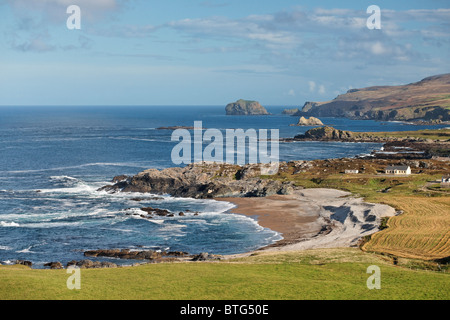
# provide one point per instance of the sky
(213, 52)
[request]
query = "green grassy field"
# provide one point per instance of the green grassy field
(435, 134)
(310, 275)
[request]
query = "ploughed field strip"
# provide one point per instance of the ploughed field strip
(423, 231)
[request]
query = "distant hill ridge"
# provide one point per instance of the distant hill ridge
(428, 99)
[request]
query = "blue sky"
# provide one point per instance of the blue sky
(212, 52)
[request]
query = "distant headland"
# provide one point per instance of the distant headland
(426, 100)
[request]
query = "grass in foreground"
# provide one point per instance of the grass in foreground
(309, 275)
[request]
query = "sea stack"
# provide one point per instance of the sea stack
(245, 108)
(311, 122)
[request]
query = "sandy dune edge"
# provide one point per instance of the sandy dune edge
(314, 218)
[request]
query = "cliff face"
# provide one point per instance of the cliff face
(245, 108)
(290, 111)
(428, 99)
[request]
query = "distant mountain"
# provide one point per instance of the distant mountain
(427, 100)
(246, 108)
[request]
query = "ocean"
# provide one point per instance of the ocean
(54, 159)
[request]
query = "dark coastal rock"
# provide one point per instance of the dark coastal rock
(106, 264)
(204, 180)
(89, 264)
(325, 133)
(120, 178)
(147, 199)
(204, 256)
(24, 263)
(245, 108)
(156, 211)
(54, 265)
(175, 254)
(126, 254)
(290, 111)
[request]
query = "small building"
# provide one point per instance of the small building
(398, 170)
(351, 171)
(445, 182)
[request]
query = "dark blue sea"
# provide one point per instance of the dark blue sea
(54, 159)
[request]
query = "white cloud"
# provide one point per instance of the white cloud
(322, 89)
(378, 48)
(35, 45)
(250, 28)
(312, 86)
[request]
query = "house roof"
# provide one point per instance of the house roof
(397, 168)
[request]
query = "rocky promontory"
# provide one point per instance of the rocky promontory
(326, 134)
(204, 180)
(395, 144)
(290, 111)
(426, 100)
(245, 108)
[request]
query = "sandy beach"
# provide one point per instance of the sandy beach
(314, 218)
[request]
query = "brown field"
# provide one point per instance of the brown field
(422, 232)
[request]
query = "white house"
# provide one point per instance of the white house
(445, 182)
(351, 171)
(398, 170)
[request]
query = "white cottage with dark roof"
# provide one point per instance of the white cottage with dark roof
(398, 170)
(445, 182)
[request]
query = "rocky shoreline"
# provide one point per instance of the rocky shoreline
(393, 147)
(144, 257)
(203, 181)
(263, 196)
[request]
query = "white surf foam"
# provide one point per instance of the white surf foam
(27, 250)
(9, 224)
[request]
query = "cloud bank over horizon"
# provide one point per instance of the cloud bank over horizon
(212, 52)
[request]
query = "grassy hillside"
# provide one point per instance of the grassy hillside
(309, 275)
(428, 99)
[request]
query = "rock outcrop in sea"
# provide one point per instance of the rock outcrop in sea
(326, 133)
(311, 122)
(290, 111)
(245, 108)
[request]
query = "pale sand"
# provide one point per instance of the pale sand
(314, 218)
